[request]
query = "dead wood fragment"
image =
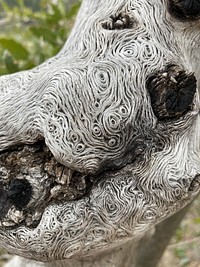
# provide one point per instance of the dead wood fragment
(31, 179)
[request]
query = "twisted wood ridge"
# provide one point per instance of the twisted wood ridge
(118, 108)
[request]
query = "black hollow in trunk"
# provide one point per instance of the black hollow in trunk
(172, 92)
(185, 9)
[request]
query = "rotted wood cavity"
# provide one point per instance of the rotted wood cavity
(119, 21)
(172, 92)
(185, 9)
(30, 180)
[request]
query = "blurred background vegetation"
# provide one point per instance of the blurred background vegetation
(31, 32)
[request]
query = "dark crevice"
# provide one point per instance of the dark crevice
(119, 21)
(31, 179)
(185, 9)
(172, 92)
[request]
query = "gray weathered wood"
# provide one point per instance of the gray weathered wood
(118, 109)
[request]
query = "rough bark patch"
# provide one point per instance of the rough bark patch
(31, 179)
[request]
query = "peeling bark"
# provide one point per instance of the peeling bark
(31, 179)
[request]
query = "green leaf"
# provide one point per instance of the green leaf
(56, 12)
(45, 33)
(21, 3)
(54, 15)
(73, 10)
(17, 50)
(11, 66)
(4, 6)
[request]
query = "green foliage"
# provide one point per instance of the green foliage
(182, 255)
(27, 37)
(196, 220)
(16, 49)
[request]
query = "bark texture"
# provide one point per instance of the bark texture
(136, 253)
(95, 107)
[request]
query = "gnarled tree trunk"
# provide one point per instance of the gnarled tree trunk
(101, 143)
(136, 253)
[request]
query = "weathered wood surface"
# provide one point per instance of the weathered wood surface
(127, 160)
